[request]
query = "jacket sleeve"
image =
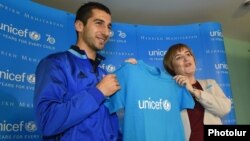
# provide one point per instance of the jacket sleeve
(54, 114)
(213, 98)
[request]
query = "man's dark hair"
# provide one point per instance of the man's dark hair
(85, 11)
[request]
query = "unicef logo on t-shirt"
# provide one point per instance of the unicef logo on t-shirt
(154, 104)
(166, 105)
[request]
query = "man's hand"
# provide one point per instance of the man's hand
(108, 85)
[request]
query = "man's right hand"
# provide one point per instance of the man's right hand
(108, 85)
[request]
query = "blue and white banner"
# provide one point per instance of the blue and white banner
(29, 32)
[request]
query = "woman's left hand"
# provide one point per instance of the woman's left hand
(131, 60)
(183, 81)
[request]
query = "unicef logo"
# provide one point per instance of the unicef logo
(30, 126)
(110, 68)
(31, 78)
(166, 105)
(34, 35)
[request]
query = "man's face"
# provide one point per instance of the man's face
(97, 30)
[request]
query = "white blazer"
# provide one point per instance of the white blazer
(214, 101)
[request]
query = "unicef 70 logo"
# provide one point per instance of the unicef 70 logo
(121, 34)
(34, 35)
(50, 39)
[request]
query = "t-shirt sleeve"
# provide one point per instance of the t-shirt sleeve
(117, 100)
(186, 99)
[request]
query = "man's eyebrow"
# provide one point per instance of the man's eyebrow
(99, 20)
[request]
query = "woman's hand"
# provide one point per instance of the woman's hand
(184, 81)
(131, 60)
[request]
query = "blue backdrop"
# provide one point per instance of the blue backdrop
(29, 32)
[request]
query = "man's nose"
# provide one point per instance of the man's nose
(106, 31)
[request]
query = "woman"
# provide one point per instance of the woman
(211, 104)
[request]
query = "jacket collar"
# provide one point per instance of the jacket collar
(82, 54)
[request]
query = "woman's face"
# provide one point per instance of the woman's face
(183, 63)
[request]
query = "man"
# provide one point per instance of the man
(71, 88)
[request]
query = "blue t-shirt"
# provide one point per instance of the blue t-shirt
(152, 102)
